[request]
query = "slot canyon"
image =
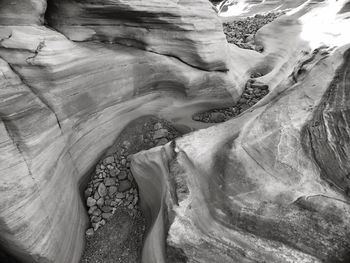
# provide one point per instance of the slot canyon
(172, 131)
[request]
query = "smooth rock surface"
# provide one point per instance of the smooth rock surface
(62, 103)
(189, 31)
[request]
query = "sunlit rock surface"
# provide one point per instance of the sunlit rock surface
(271, 185)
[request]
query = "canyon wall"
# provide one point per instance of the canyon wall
(71, 84)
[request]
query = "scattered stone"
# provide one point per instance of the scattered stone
(242, 32)
(102, 190)
(96, 212)
(253, 92)
(89, 232)
(158, 126)
(107, 215)
(160, 134)
(122, 175)
(96, 196)
(112, 190)
(95, 219)
(109, 181)
(100, 202)
(92, 209)
(112, 184)
(162, 142)
(114, 172)
(218, 116)
(124, 186)
(90, 202)
(108, 160)
(120, 195)
(106, 209)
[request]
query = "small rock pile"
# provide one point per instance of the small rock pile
(242, 32)
(253, 92)
(112, 185)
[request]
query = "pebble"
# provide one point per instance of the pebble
(114, 172)
(158, 126)
(96, 196)
(109, 181)
(112, 190)
(102, 190)
(218, 116)
(160, 134)
(89, 232)
(106, 209)
(162, 142)
(122, 175)
(100, 202)
(124, 186)
(95, 219)
(108, 160)
(90, 202)
(107, 215)
(92, 209)
(96, 212)
(120, 195)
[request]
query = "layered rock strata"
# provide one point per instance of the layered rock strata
(62, 103)
(254, 188)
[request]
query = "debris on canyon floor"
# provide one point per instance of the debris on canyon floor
(242, 32)
(117, 223)
(253, 92)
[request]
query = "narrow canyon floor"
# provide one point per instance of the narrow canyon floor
(117, 225)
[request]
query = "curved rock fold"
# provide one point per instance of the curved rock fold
(271, 184)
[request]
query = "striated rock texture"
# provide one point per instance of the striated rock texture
(249, 190)
(259, 187)
(186, 30)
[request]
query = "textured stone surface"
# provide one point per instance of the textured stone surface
(165, 27)
(62, 103)
(249, 190)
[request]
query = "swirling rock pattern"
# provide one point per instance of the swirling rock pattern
(247, 190)
(164, 27)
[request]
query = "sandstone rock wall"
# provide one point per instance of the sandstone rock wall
(65, 97)
(188, 31)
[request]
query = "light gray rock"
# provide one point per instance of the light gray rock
(107, 215)
(122, 175)
(160, 134)
(114, 172)
(109, 181)
(108, 160)
(102, 190)
(100, 202)
(90, 202)
(90, 232)
(158, 126)
(112, 190)
(162, 142)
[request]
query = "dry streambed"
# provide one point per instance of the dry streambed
(117, 224)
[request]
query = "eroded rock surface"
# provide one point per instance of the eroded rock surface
(257, 187)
